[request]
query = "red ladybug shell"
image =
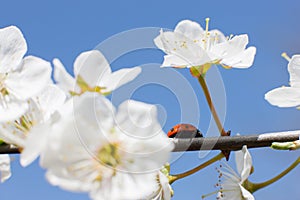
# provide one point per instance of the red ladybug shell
(184, 131)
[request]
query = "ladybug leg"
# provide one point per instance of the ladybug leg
(199, 134)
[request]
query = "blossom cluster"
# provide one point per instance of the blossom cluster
(84, 142)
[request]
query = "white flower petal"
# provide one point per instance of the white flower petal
(179, 45)
(91, 66)
(243, 163)
(158, 41)
(67, 184)
(166, 188)
(237, 44)
(73, 134)
(35, 74)
(246, 195)
(284, 97)
(241, 60)
(137, 124)
(231, 195)
(190, 29)
(34, 112)
(94, 109)
(12, 110)
(232, 53)
(294, 70)
(5, 167)
(173, 61)
(35, 142)
(12, 49)
(217, 35)
(138, 118)
(118, 78)
(62, 78)
(50, 99)
(125, 186)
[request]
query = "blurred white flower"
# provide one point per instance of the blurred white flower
(163, 191)
(40, 109)
(4, 167)
(232, 187)
(111, 155)
(191, 46)
(20, 78)
(92, 73)
(287, 96)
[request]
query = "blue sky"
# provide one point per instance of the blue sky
(64, 29)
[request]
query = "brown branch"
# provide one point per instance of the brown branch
(235, 142)
(213, 143)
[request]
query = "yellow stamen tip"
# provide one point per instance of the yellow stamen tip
(284, 55)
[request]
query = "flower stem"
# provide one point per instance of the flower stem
(211, 105)
(213, 111)
(176, 177)
(257, 186)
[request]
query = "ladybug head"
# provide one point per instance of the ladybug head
(173, 131)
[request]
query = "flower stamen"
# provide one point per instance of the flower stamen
(284, 55)
(205, 41)
(109, 155)
(206, 25)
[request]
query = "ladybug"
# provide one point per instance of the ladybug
(184, 131)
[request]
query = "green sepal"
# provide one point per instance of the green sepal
(197, 71)
(166, 169)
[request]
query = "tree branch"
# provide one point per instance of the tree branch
(235, 142)
(232, 143)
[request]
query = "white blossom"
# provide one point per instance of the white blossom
(287, 96)
(232, 187)
(92, 73)
(191, 46)
(112, 155)
(40, 110)
(20, 78)
(163, 190)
